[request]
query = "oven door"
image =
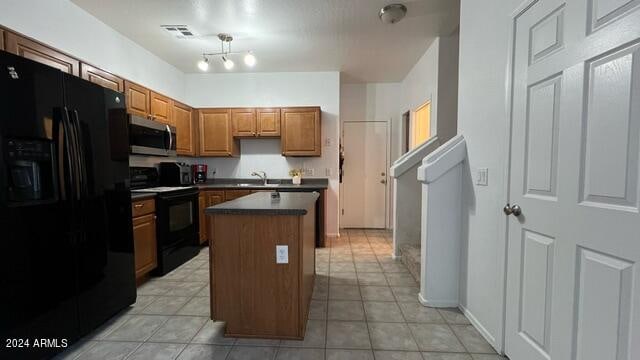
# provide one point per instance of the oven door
(177, 225)
(178, 219)
(147, 137)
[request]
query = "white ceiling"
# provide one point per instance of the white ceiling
(286, 35)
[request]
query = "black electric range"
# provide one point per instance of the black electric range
(177, 222)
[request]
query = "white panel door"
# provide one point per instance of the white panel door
(573, 281)
(364, 184)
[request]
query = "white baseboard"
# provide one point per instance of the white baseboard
(481, 329)
(333, 234)
(436, 304)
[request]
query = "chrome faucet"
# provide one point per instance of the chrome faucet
(262, 175)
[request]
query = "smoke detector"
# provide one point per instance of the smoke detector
(392, 13)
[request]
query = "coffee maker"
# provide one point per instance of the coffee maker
(199, 173)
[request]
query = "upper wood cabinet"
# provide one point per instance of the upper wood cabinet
(161, 108)
(2, 39)
(216, 133)
(185, 129)
(300, 127)
(268, 122)
(244, 122)
(137, 99)
(101, 77)
(35, 51)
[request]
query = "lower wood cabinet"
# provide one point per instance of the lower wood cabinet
(234, 194)
(144, 237)
(35, 51)
(202, 219)
(207, 198)
(2, 39)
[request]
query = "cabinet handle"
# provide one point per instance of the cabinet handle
(137, 206)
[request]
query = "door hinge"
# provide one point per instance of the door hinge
(342, 211)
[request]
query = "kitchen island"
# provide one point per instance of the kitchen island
(262, 269)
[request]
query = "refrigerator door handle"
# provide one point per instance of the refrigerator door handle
(73, 153)
(82, 159)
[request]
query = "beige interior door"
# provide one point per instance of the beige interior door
(364, 183)
(573, 281)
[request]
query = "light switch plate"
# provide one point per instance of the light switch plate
(282, 254)
(482, 178)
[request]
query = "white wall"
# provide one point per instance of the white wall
(64, 26)
(482, 119)
(275, 89)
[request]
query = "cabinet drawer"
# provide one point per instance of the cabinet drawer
(143, 207)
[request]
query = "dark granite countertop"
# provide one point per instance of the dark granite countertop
(141, 196)
(260, 203)
(275, 184)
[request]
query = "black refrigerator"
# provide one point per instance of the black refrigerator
(66, 242)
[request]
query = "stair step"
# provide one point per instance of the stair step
(410, 257)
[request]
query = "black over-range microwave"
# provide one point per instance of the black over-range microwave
(148, 137)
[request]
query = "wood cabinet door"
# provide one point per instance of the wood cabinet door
(215, 197)
(101, 77)
(244, 122)
(300, 129)
(137, 99)
(202, 205)
(35, 51)
(234, 194)
(268, 122)
(215, 133)
(161, 108)
(2, 39)
(185, 134)
(145, 244)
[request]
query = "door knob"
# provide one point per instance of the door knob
(383, 181)
(512, 209)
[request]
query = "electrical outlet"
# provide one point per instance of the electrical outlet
(282, 254)
(309, 172)
(327, 172)
(482, 178)
(327, 142)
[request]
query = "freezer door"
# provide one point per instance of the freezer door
(37, 242)
(105, 250)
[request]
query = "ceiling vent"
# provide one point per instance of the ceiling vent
(179, 31)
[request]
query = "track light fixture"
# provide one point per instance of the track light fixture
(225, 51)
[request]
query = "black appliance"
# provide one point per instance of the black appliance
(177, 222)
(199, 173)
(175, 173)
(66, 246)
(148, 137)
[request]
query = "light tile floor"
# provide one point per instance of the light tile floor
(364, 307)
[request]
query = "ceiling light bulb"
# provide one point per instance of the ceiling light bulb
(203, 64)
(250, 60)
(228, 64)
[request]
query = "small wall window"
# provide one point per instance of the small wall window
(421, 125)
